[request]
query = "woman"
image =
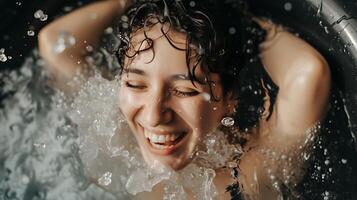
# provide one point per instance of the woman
(185, 68)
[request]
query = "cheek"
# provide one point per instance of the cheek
(202, 116)
(129, 103)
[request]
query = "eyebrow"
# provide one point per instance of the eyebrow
(176, 77)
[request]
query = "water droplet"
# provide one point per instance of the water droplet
(320, 23)
(232, 164)
(39, 145)
(67, 8)
(44, 18)
(221, 52)
(327, 162)
(108, 30)
(272, 177)
(319, 9)
(124, 18)
(344, 161)
(201, 51)
(3, 57)
(283, 157)
(227, 121)
(105, 179)
(30, 33)
(38, 14)
(288, 6)
(192, 3)
(25, 179)
(89, 48)
(64, 41)
(125, 25)
(232, 30)
(206, 96)
(93, 16)
(326, 30)
(326, 195)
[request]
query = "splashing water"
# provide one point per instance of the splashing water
(64, 41)
(57, 146)
(79, 147)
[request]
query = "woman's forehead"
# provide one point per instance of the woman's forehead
(158, 31)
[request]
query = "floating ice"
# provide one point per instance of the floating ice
(43, 18)
(3, 57)
(39, 14)
(30, 33)
(227, 121)
(64, 41)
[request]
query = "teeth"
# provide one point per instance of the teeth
(158, 146)
(173, 137)
(161, 138)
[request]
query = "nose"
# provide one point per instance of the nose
(157, 111)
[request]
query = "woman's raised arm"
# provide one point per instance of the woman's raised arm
(304, 81)
(86, 25)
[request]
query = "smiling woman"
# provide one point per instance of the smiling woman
(187, 66)
(167, 113)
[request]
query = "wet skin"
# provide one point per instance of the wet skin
(158, 99)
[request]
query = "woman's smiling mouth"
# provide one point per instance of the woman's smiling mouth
(164, 144)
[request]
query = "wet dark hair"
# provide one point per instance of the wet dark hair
(221, 38)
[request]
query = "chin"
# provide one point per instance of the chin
(175, 154)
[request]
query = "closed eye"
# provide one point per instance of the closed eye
(184, 93)
(135, 86)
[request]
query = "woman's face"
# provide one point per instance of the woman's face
(168, 115)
